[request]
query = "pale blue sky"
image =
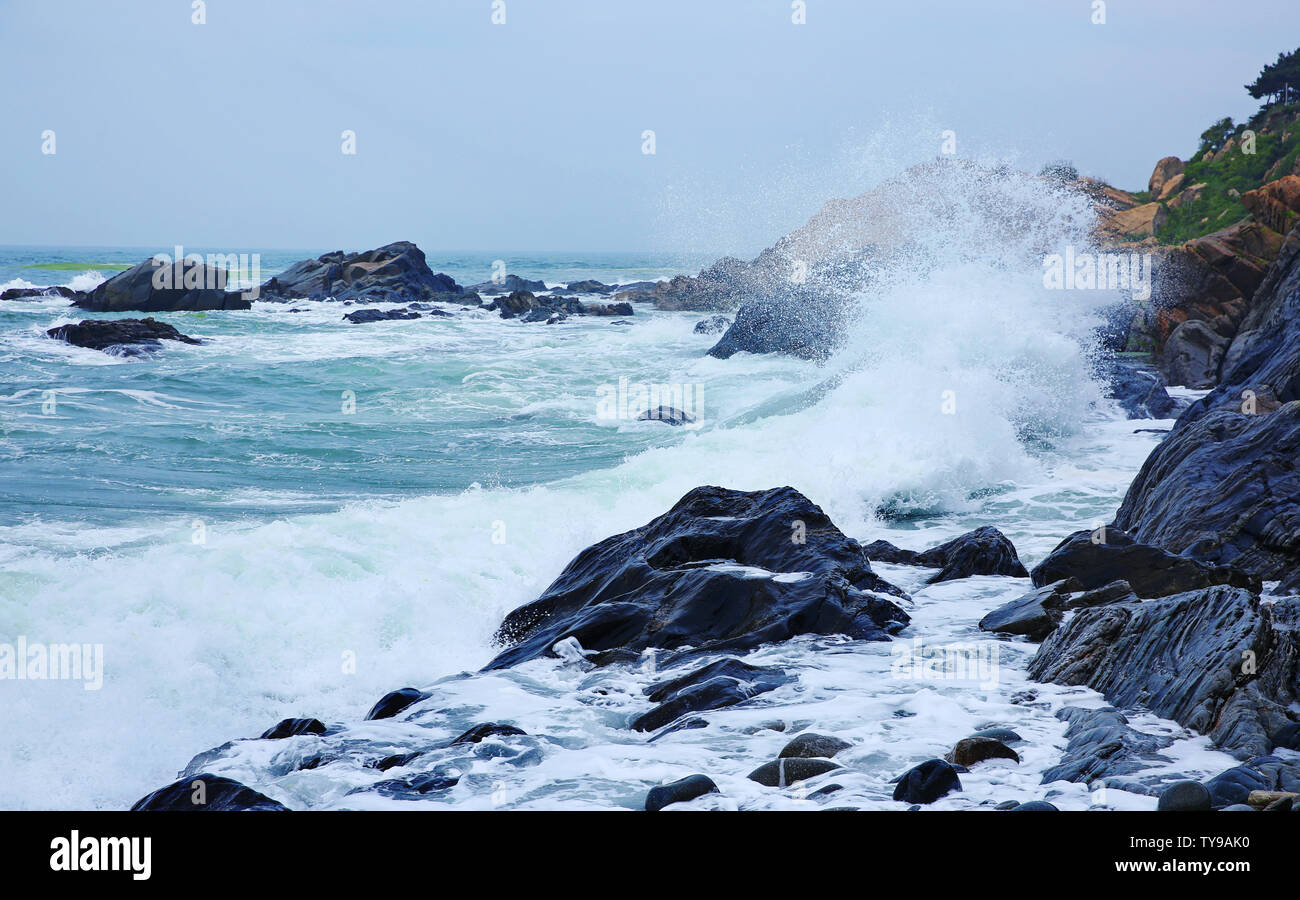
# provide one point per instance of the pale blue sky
(527, 136)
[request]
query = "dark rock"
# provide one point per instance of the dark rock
(396, 761)
(362, 316)
(723, 683)
(607, 309)
(416, 787)
(1035, 614)
(152, 287)
(394, 702)
(218, 793)
(1224, 489)
(1108, 593)
(668, 415)
(1005, 735)
(1184, 796)
(292, 727)
(825, 791)
(509, 285)
(785, 772)
(712, 325)
(1287, 737)
(1215, 660)
(1239, 807)
(971, 750)
(1098, 558)
(589, 286)
(394, 273)
(1102, 745)
(984, 551)
(486, 730)
(1192, 355)
(687, 578)
(1035, 806)
(1140, 392)
(1007, 804)
(1262, 773)
(927, 782)
(810, 745)
(124, 336)
(57, 290)
(680, 725)
(1281, 804)
(679, 792)
(798, 320)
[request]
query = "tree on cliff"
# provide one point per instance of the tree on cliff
(1275, 77)
(1215, 136)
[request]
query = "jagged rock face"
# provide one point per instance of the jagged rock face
(1276, 204)
(395, 273)
(721, 570)
(1103, 745)
(1167, 169)
(1224, 489)
(1216, 660)
(126, 337)
(147, 287)
(1097, 559)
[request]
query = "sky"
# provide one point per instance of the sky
(529, 135)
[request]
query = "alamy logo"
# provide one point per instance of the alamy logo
(22, 661)
(968, 661)
(632, 400)
(1072, 271)
(103, 854)
(192, 272)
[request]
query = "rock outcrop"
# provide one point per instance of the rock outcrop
(154, 286)
(984, 551)
(722, 570)
(120, 337)
(395, 273)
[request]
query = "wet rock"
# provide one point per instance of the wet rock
(590, 286)
(726, 682)
(394, 273)
(809, 745)
(1005, 735)
(927, 782)
(722, 570)
(679, 792)
(1287, 737)
(397, 761)
(1098, 558)
(1184, 796)
(1215, 660)
(1262, 773)
(1102, 745)
(123, 336)
(681, 725)
(151, 287)
(293, 727)
(1035, 806)
(984, 551)
(394, 702)
(1140, 392)
(1036, 614)
(668, 415)
(37, 293)
(509, 285)
(362, 316)
(415, 787)
(712, 325)
(1239, 807)
(486, 730)
(971, 750)
(785, 772)
(207, 793)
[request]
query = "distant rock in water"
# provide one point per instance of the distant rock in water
(207, 793)
(722, 286)
(125, 337)
(394, 273)
(361, 316)
(722, 570)
(712, 325)
(508, 285)
(529, 307)
(151, 287)
(590, 286)
(984, 551)
(1216, 660)
(668, 415)
(37, 293)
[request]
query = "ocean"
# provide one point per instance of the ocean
(299, 515)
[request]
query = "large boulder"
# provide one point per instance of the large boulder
(207, 793)
(1192, 354)
(721, 570)
(1165, 170)
(395, 273)
(984, 551)
(1098, 558)
(158, 285)
(1216, 660)
(121, 337)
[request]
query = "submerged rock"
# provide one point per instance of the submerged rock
(124, 336)
(1098, 558)
(207, 793)
(723, 683)
(394, 702)
(681, 791)
(1215, 660)
(668, 415)
(293, 727)
(927, 782)
(722, 570)
(984, 551)
(486, 730)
